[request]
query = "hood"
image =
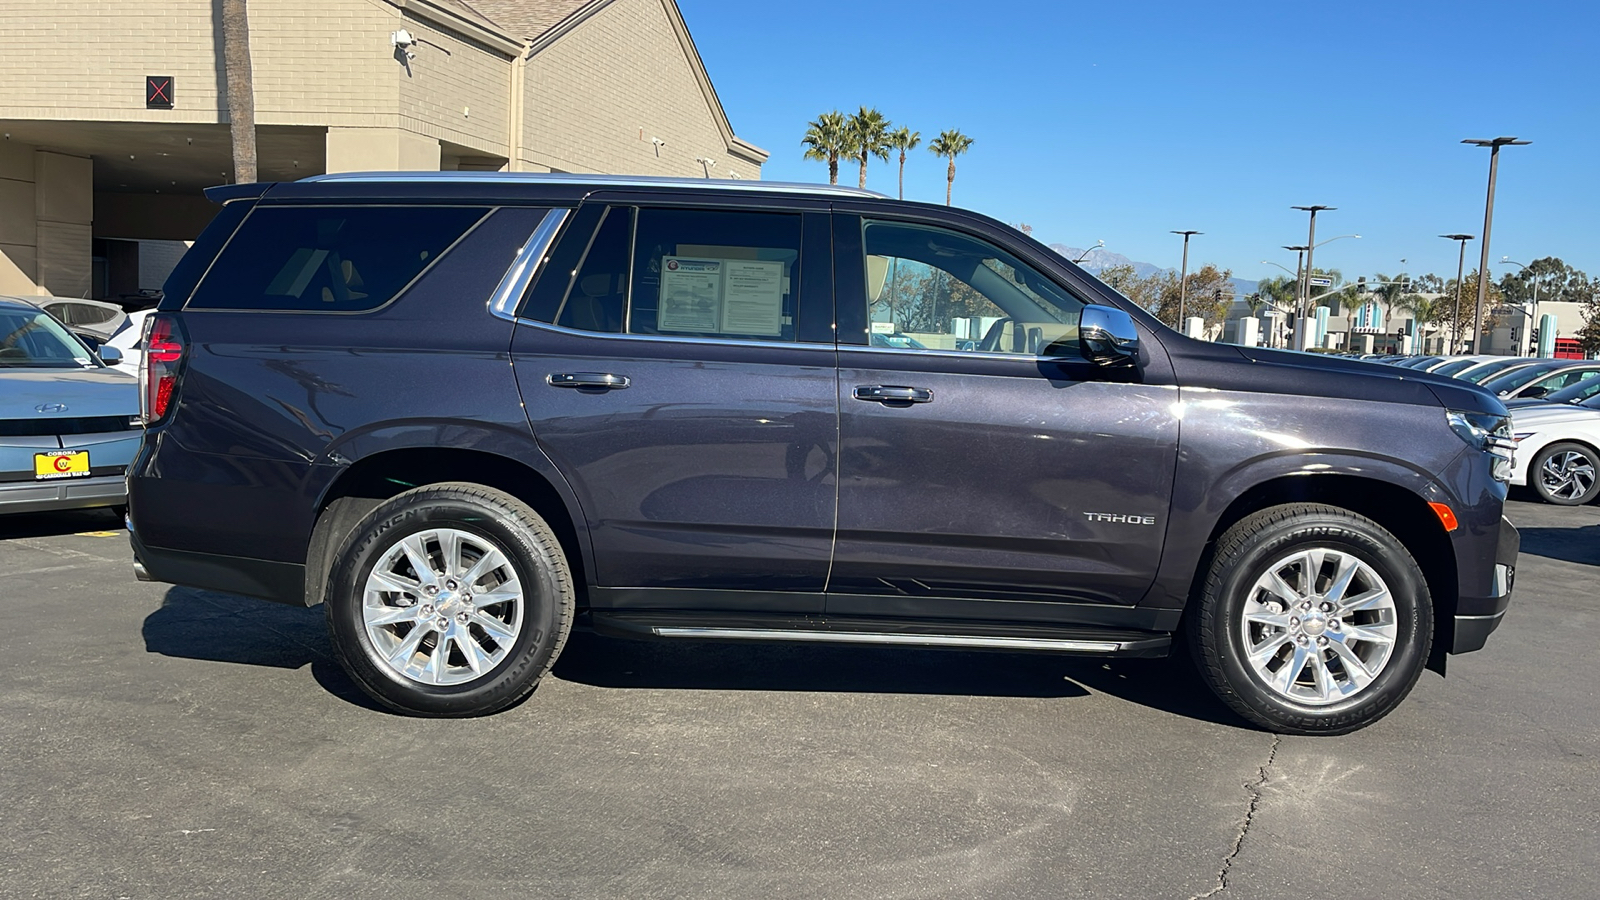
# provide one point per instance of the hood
(1530, 417)
(85, 392)
(1316, 375)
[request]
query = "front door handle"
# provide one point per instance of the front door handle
(604, 381)
(886, 393)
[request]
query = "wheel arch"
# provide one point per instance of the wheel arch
(1399, 510)
(369, 481)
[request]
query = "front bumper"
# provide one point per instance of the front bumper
(1477, 617)
(67, 493)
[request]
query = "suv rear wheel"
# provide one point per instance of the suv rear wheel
(1313, 620)
(450, 600)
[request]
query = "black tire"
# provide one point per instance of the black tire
(526, 542)
(1570, 492)
(1244, 554)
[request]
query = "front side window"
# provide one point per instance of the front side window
(688, 273)
(930, 288)
(329, 259)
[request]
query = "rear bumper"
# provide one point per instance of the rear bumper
(1477, 617)
(67, 493)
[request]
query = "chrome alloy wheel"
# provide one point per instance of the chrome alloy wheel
(1567, 475)
(443, 607)
(1319, 626)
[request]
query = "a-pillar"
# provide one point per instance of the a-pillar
(381, 150)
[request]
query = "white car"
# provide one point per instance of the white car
(1558, 451)
(130, 340)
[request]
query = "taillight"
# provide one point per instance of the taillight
(158, 377)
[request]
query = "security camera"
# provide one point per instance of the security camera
(403, 41)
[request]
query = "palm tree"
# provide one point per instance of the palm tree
(904, 139)
(1426, 312)
(826, 141)
(868, 133)
(240, 89)
(950, 144)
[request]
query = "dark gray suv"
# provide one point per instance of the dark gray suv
(468, 411)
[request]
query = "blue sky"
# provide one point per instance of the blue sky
(1122, 120)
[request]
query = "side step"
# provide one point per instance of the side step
(1079, 640)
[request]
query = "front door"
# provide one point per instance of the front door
(985, 470)
(669, 379)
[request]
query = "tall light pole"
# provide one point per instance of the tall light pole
(1311, 247)
(1455, 321)
(1183, 279)
(1098, 245)
(1494, 145)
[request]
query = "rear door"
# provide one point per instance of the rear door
(677, 365)
(986, 470)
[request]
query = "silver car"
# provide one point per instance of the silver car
(69, 423)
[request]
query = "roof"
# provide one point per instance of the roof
(601, 182)
(526, 19)
(465, 11)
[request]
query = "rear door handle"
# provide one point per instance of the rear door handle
(886, 393)
(593, 380)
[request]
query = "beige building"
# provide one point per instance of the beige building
(97, 183)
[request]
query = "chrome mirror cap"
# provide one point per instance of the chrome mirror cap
(1107, 336)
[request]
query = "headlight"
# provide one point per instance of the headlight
(1489, 433)
(1521, 436)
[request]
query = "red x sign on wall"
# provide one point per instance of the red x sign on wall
(158, 92)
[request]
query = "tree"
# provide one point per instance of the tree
(950, 144)
(1469, 303)
(1555, 279)
(904, 139)
(1279, 292)
(1209, 295)
(826, 140)
(241, 91)
(1427, 312)
(867, 134)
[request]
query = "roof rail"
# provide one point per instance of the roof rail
(599, 181)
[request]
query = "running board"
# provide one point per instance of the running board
(968, 636)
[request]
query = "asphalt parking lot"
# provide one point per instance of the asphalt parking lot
(164, 742)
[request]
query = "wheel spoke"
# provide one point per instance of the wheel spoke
(1382, 634)
(1374, 599)
(450, 552)
(1347, 569)
(1290, 672)
(1261, 616)
(1277, 586)
(504, 593)
(1321, 675)
(477, 660)
(417, 553)
(392, 582)
(440, 660)
(390, 615)
(1354, 666)
(1267, 649)
(492, 559)
(401, 657)
(496, 629)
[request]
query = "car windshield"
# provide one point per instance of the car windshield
(1454, 367)
(1518, 377)
(30, 339)
(1489, 370)
(1576, 393)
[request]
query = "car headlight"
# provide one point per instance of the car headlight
(1521, 436)
(1489, 433)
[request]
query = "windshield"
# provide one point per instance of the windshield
(1576, 393)
(1485, 372)
(1454, 367)
(1518, 377)
(32, 340)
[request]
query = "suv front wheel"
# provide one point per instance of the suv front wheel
(450, 600)
(1313, 620)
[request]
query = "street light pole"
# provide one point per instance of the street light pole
(1494, 146)
(1461, 262)
(1183, 279)
(1311, 247)
(1099, 245)
(1533, 316)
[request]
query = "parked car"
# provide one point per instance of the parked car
(1504, 366)
(1506, 384)
(464, 410)
(1557, 451)
(129, 341)
(1573, 393)
(1556, 379)
(1457, 366)
(69, 424)
(98, 318)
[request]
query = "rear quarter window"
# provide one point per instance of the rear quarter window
(330, 259)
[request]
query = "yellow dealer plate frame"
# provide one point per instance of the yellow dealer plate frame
(60, 464)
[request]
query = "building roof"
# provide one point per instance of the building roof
(526, 19)
(465, 11)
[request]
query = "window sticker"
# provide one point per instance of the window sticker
(691, 295)
(721, 296)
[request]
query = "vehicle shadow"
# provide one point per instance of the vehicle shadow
(52, 524)
(197, 624)
(1169, 685)
(1579, 545)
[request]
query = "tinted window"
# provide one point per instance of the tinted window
(30, 339)
(598, 295)
(1518, 377)
(932, 288)
(330, 259)
(715, 274)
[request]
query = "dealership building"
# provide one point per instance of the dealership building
(114, 113)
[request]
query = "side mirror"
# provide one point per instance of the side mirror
(1107, 336)
(1534, 393)
(110, 355)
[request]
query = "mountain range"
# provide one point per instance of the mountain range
(1099, 258)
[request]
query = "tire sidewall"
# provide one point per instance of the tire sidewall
(1413, 621)
(531, 652)
(1536, 473)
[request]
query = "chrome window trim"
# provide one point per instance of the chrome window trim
(599, 182)
(682, 339)
(529, 260)
(951, 354)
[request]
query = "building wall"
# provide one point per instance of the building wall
(462, 96)
(19, 231)
(596, 97)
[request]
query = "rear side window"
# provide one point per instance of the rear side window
(330, 259)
